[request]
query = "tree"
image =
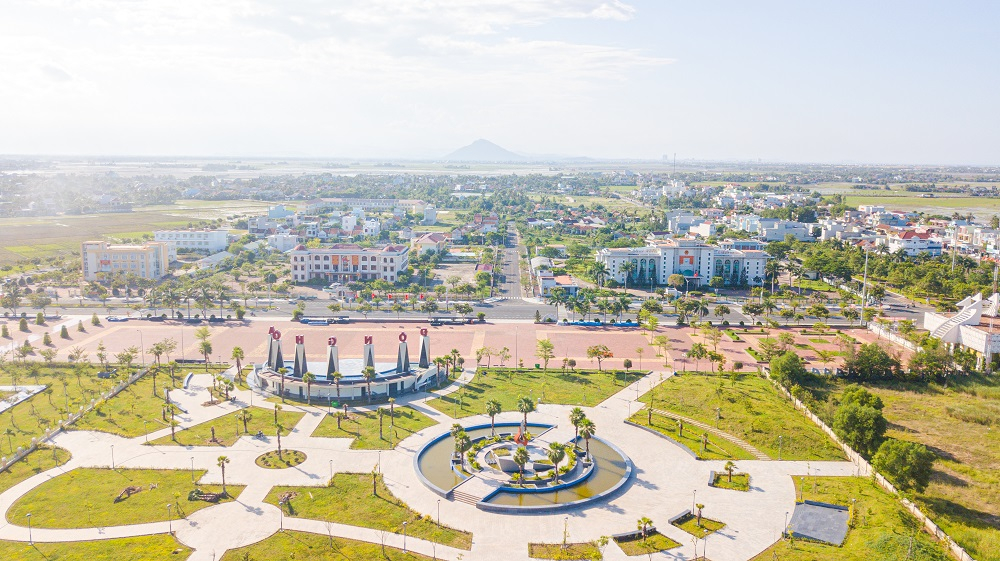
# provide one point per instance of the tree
(627, 363)
(854, 393)
(907, 465)
(556, 453)
(576, 416)
(368, 373)
(788, 369)
(277, 432)
(205, 347)
(521, 457)
(245, 416)
(722, 311)
(697, 351)
(861, 427)
(223, 460)
(587, 430)
(337, 377)
(643, 525)
(599, 353)
(676, 280)
(238, 356)
(700, 507)
(309, 378)
(851, 315)
(462, 443)
(493, 408)
(729, 467)
(872, 362)
(525, 405)
(753, 310)
(545, 351)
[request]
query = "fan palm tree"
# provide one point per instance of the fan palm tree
(643, 526)
(576, 416)
(521, 458)
(493, 409)
(525, 405)
(238, 356)
(337, 377)
(246, 416)
(556, 453)
(587, 431)
(223, 460)
(627, 269)
(369, 375)
(309, 378)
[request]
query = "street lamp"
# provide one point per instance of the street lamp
(784, 530)
(112, 456)
(694, 496)
(780, 438)
(439, 512)
(404, 537)
(142, 347)
(192, 469)
(170, 523)
(30, 541)
(331, 472)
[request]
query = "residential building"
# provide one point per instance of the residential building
(430, 216)
(432, 241)
(913, 243)
(283, 242)
(349, 262)
(203, 241)
(777, 230)
(697, 261)
(102, 260)
(547, 281)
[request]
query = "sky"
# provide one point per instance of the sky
(840, 82)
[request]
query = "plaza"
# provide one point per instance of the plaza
(667, 480)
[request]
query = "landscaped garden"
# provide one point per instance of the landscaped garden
(714, 448)
(563, 387)
(736, 481)
(136, 410)
(280, 460)
(229, 428)
(586, 550)
(748, 407)
(303, 546)
(42, 459)
(158, 547)
(349, 500)
(880, 527)
(698, 526)
(652, 543)
(363, 427)
(96, 497)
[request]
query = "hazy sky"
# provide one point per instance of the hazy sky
(901, 82)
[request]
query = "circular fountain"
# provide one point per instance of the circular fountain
(507, 487)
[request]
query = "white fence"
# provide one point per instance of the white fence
(864, 468)
(892, 336)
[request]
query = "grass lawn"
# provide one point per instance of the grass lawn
(740, 482)
(580, 387)
(158, 547)
(959, 424)
(717, 449)
(362, 426)
(229, 428)
(557, 551)
(654, 542)
(135, 411)
(303, 546)
(882, 528)
(85, 498)
(42, 459)
(68, 388)
(350, 501)
(732, 335)
(755, 354)
(752, 409)
(287, 459)
(689, 523)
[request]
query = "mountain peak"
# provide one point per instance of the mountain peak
(483, 150)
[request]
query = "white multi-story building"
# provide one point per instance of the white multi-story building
(349, 262)
(430, 216)
(283, 242)
(102, 260)
(913, 243)
(204, 241)
(371, 227)
(697, 261)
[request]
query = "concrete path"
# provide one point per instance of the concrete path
(721, 434)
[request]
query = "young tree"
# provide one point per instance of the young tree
(556, 453)
(545, 351)
(521, 457)
(493, 408)
(238, 356)
(599, 353)
(525, 405)
(730, 467)
(223, 460)
(308, 378)
(368, 373)
(576, 416)
(587, 430)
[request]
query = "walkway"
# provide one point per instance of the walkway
(721, 434)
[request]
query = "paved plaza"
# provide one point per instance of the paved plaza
(666, 482)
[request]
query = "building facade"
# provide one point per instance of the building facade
(102, 260)
(205, 241)
(696, 261)
(349, 262)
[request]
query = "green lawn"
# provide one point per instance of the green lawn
(158, 547)
(135, 411)
(287, 459)
(42, 459)
(558, 551)
(580, 387)
(362, 426)
(740, 482)
(302, 546)
(349, 500)
(751, 410)
(85, 498)
(881, 528)
(717, 449)
(229, 428)
(689, 523)
(654, 542)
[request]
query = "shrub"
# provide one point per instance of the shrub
(46, 339)
(39, 318)
(741, 323)
(94, 320)
(23, 324)
(63, 332)
(80, 327)
(4, 332)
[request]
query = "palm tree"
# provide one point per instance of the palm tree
(520, 458)
(556, 453)
(627, 268)
(699, 506)
(246, 416)
(525, 405)
(493, 409)
(277, 432)
(223, 460)
(587, 431)
(309, 378)
(369, 375)
(206, 350)
(337, 377)
(600, 272)
(462, 443)
(576, 416)
(381, 413)
(238, 356)
(643, 526)
(277, 409)
(729, 467)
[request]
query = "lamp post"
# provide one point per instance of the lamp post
(694, 496)
(142, 347)
(192, 469)
(331, 471)
(784, 529)
(780, 438)
(170, 522)
(439, 512)
(404, 537)
(112, 456)
(30, 541)
(145, 431)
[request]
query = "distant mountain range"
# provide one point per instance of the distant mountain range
(484, 151)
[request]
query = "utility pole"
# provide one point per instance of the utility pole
(864, 289)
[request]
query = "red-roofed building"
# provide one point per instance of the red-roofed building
(349, 262)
